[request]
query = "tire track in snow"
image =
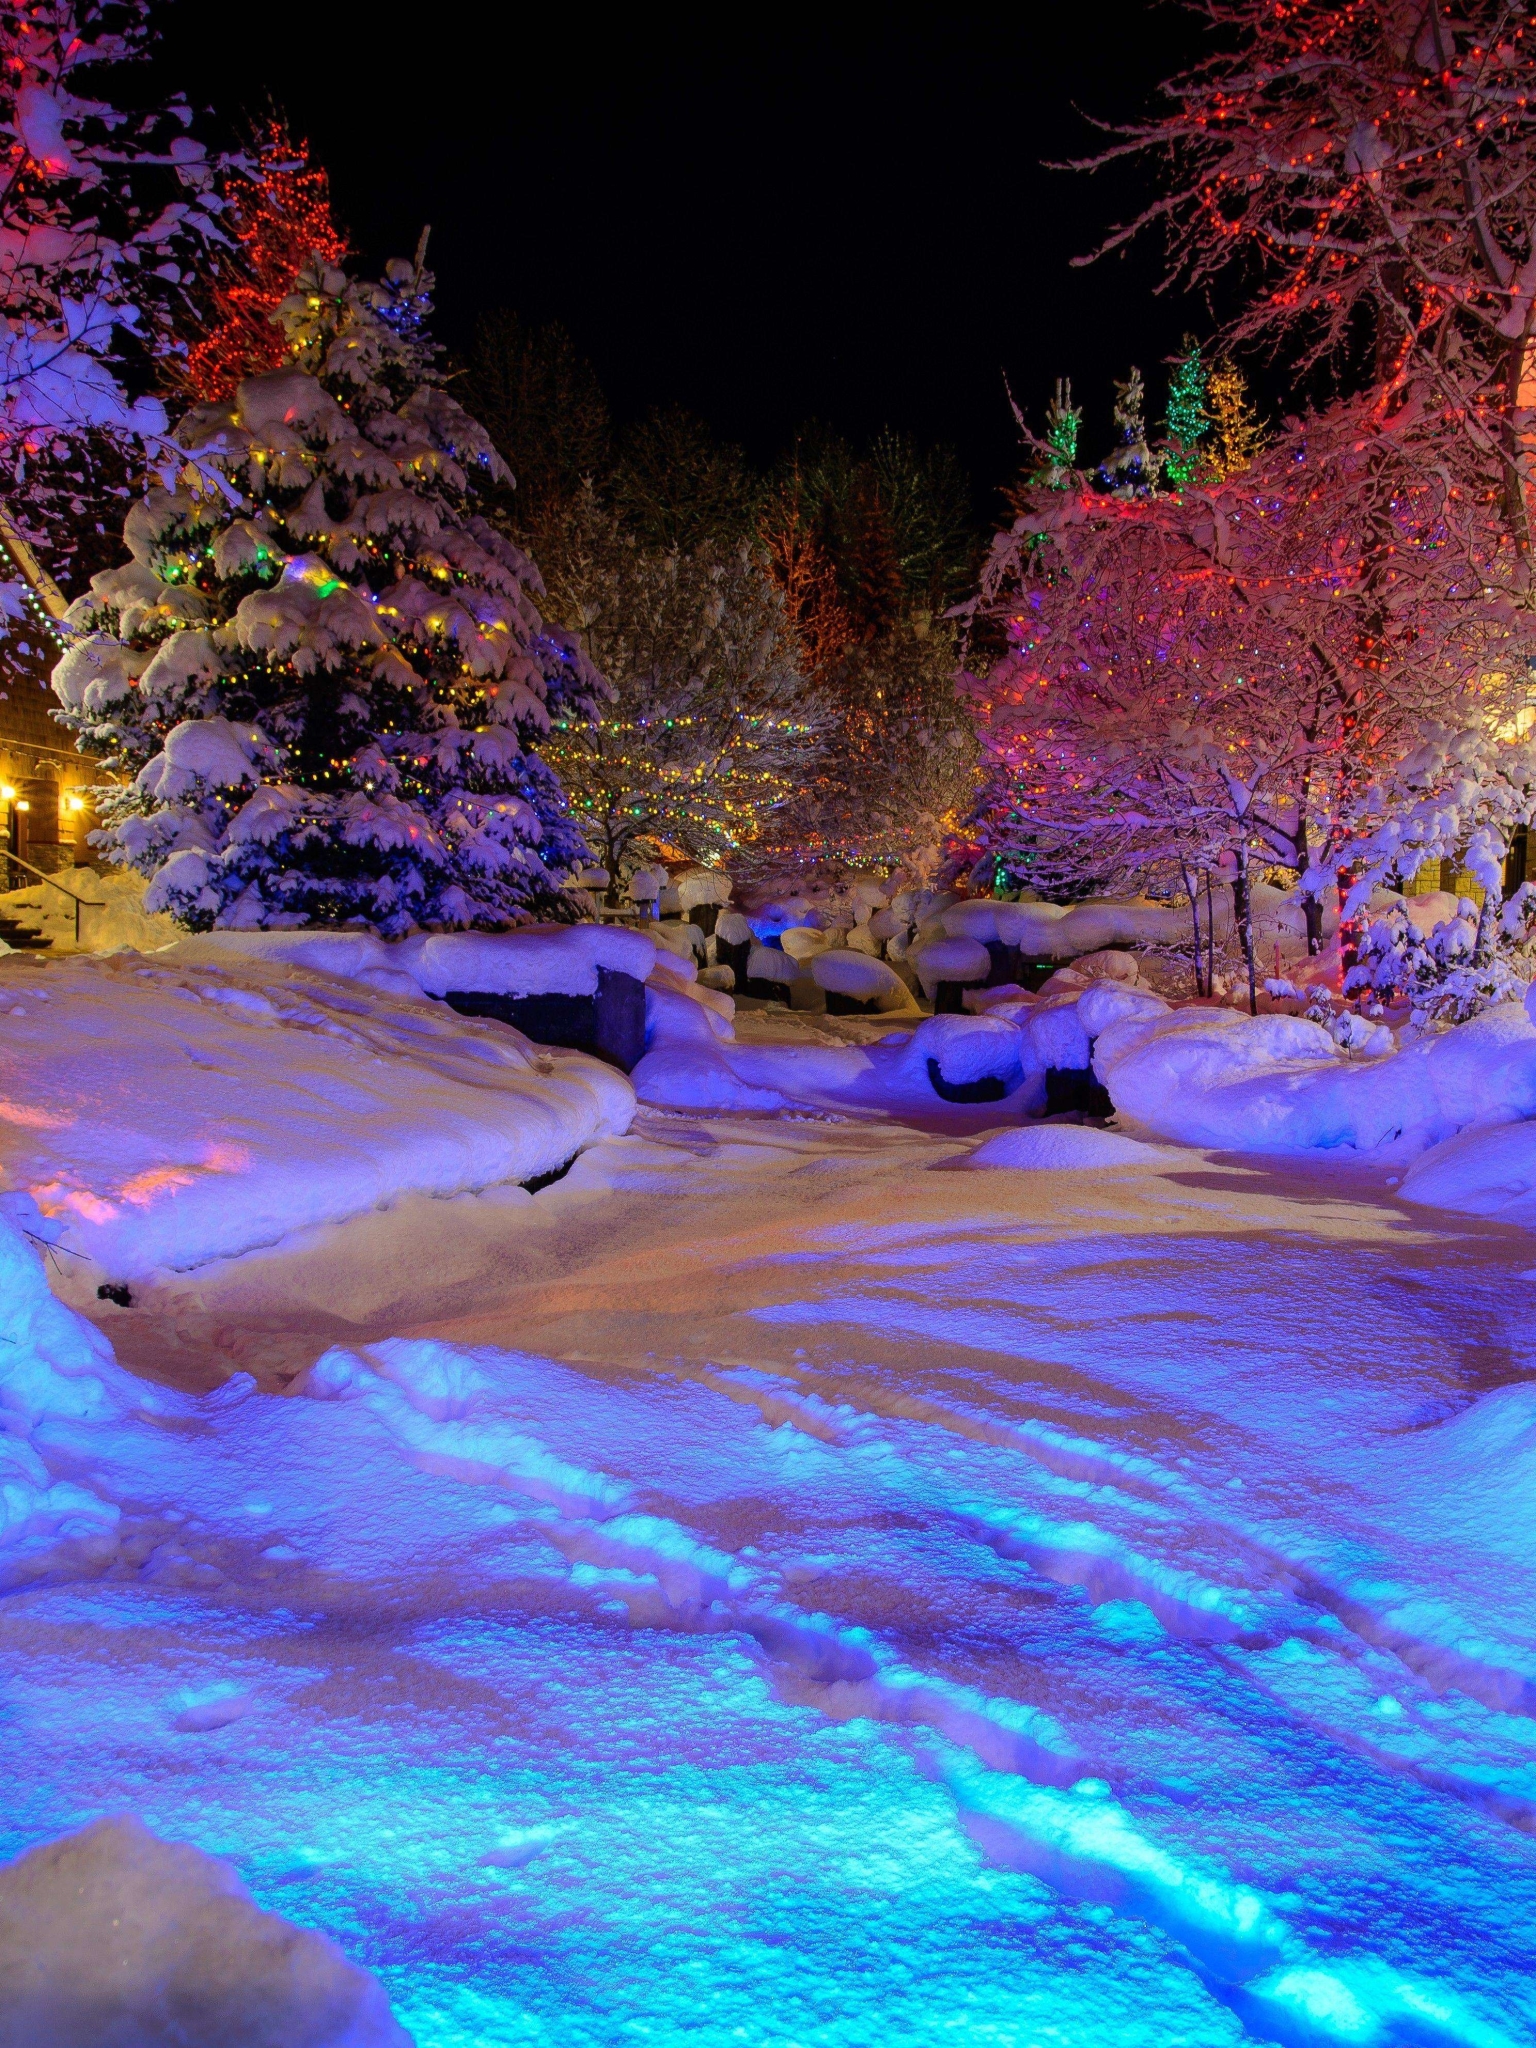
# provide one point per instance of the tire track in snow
(1020, 1788)
(1502, 1686)
(1198, 1611)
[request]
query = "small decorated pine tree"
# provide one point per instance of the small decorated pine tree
(1130, 470)
(1189, 419)
(326, 682)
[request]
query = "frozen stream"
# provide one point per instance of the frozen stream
(776, 1587)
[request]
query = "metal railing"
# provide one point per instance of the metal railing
(15, 860)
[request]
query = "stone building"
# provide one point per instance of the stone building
(45, 808)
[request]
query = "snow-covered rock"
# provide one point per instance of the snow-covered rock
(967, 1050)
(112, 1938)
(703, 885)
(767, 963)
(1108, 965)
(861, 978)
(951, 960)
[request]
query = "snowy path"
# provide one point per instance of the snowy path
(767, 1590)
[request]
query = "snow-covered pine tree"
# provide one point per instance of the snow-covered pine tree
(1130, 470)
(327, 682)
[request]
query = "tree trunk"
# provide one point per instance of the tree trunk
(1242, 907)
(1311, 906)
(1210, 937)
(1487, 926)
(1192, 891)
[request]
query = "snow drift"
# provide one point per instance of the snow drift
(163, 1112)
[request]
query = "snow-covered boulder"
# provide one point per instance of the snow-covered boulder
(1110, 1002)
(952, 961)
(854, 981)
(1108, 965)
(1056, 1034)
(802, 942)
(701, 886)
(967, 1059)
(112, 1936)
(975, 918)
(770, 973)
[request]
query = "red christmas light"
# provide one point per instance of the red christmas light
(281, 208)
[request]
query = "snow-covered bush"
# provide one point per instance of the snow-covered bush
(1445, 974)
(326, 680)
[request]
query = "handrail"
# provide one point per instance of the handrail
(80, 902)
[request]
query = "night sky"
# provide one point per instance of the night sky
(770, 220)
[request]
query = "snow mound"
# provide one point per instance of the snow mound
(1056, 1035)
(1056, 1148)
(111, 1938)
(1107, 965)
(803, 942)
(553, 960)
(1485, 1172)
(678, 1076)
(1212, 1077)
(52, 1362)
(1109, 1002)
(701, 886)
(767, 963)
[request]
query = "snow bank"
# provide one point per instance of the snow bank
(111, 1938)
(692, 1063)
(1057, 1148)
(1213, 1077)
(168, 1112)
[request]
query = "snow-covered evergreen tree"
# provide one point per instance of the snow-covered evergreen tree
(1130, 469)
(326, 680)
(104, 215)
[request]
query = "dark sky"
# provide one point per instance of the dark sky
(765, 219)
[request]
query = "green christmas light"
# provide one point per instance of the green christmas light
(1189, 418)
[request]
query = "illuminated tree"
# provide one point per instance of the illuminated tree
(1375, 165)
(279, 210)
(103, 215)
(1131, 469)
(1236, 433)
(712, 729)
(1221, 676)
(328, 679)
(1189, 418)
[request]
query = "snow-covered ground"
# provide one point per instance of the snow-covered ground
(779, 1584)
